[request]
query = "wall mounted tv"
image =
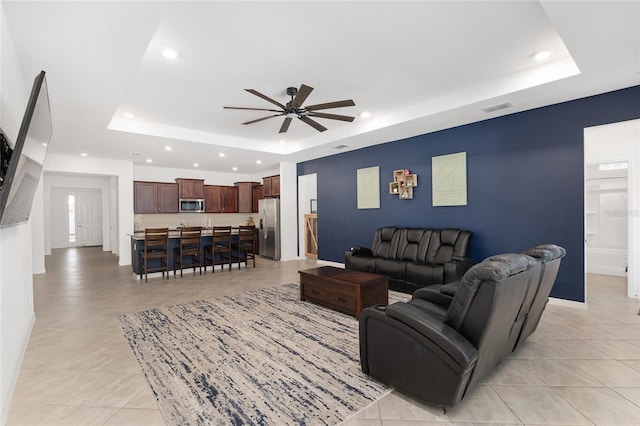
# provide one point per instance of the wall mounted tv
(21, 165)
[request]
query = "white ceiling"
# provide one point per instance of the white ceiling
(415, 66)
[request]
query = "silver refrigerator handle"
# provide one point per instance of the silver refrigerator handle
(263, 221)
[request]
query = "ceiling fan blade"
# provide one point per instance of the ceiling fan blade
(303, 93)
(319, 127)
(265, 97)
(337, 104)
(251, 109)
(285, 125)
(332, 116)
(263, 118)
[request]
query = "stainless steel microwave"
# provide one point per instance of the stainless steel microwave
(191, 205)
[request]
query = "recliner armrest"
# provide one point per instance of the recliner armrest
(445, 337)
(361, 251)
(433, 294)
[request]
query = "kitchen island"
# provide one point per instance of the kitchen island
(138, 240)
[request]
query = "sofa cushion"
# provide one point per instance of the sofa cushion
(418, 273)
(385, 242)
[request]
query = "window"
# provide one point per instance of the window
(72, 218)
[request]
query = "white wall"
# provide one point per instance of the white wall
(621, 142)
(37, 221)
(16, 279)
(288, 211)
(307, 191)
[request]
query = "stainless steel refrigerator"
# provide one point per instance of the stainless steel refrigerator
(269, 228)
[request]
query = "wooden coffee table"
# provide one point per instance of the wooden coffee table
(343, 290)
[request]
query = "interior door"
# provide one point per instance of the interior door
(89, 218)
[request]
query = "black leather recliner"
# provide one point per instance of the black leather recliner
(437, 358)
(549, 256)
(438, 297)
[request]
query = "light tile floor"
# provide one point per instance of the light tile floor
(581, 367)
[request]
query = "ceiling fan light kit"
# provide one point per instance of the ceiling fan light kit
(295, 109)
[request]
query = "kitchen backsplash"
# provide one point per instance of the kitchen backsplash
(142, 221)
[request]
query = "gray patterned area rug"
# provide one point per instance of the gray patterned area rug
(262, 357)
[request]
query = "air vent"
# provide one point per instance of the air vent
(497, 107)
(341, 146)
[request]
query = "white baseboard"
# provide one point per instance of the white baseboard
(329, 263)
(567, 303)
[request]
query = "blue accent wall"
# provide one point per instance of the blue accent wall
(525, 183)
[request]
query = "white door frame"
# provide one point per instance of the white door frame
(627, 151)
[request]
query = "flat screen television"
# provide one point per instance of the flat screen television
(21, 165)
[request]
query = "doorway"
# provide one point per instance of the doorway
(606, 222)
(76, 217)
(612, 181)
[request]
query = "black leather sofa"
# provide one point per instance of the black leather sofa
(437, 357)
(414, 257)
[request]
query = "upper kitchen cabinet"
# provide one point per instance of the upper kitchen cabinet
(257, 195)
(155, 197)
(246, 195)
(271, 186)
(220, 199)
(190, 188)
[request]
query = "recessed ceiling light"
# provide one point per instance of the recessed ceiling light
(196, 165)
(129, 115)
(283, 142)
(170, 54)
(365, 114)
(167, 148)
(44, 144)
(235, 169)
(149, 160)
(83, 154)
(258, 161)
(221, 154)
(541, 55)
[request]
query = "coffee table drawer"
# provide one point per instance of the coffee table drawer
(342, 301)
(315, 292)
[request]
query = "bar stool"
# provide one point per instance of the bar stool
(246, 245)
(156, 246)
(187, 254)
(220, 244)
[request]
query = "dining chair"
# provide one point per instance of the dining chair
(246, 245)
(220, 247)
(187, 254)
(156, 246)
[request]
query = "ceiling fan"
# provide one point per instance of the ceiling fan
(294, 108)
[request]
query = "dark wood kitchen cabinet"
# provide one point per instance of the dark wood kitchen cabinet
(271, 186)
(155, 197)
(220, 199)
(191, 188)
(246, 196)
(257, 195)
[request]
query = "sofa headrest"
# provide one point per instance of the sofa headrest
(517, 262)
(449, 236)
(494, 269)
(386, 233)
(414, 235)
(546, 252)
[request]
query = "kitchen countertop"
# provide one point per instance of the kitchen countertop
(175, 233)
